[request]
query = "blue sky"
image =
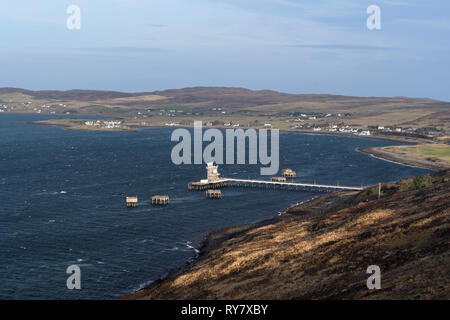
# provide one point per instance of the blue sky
(319, 46)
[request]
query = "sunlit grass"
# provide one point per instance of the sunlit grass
(439, 153)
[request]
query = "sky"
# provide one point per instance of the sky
(311, 46)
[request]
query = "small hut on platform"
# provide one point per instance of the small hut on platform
(289, 173)
(132, 202)
(213, 193)
(160, 200)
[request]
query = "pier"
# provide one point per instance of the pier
(298, 185)
(213, 181)
(200, 186)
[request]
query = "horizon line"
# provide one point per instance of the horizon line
(218, 87)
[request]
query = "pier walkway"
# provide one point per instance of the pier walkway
(250, 182)
(213, 181)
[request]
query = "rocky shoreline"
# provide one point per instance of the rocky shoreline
(214, 239)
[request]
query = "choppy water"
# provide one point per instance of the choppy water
(62, 203)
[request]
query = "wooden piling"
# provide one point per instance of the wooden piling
(278, 179)
(160, 200)
(213, 194)
(200, 186)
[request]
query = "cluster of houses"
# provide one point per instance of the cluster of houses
(39, 110)
(6, 108)
(30, 107)
(170, 113)
(219, 110)
(348, 129)
(174, 113)
(314, 116)
(389, 129)
(379, 129)
(229, 124)
(335, 128)
(106, 124)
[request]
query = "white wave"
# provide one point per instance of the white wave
(188, 244)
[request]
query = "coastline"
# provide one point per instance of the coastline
(134, 127)
(374, 152)
(320, 249)
(214, 239)
(408, 140)
(77, 127)
(400, 159)
(317, 205)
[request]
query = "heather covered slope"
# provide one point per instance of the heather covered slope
(321, 250)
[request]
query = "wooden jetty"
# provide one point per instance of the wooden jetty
(213, 193)
(200, 186)
(160, 200)
(213, 181)
(132, 202)
(290, 185)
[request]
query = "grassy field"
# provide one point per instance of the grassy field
(438, 153)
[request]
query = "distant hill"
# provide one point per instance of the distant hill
(228, 96)
(78, 95)
(238, 97)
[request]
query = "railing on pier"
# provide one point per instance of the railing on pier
(251, 182)
(230, 182)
